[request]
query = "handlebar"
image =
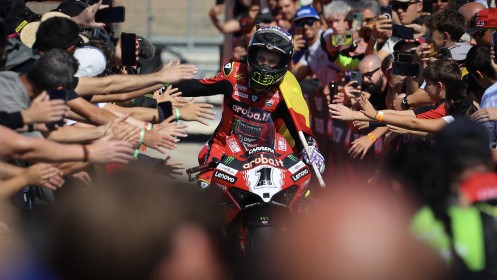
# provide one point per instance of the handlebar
(213, 163)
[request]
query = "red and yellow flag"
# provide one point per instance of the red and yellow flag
(297, 107)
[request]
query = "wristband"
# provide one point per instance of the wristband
(379, 116)
(148, 126)
(177, 113)
(86, 154)
(372, 137)
(142, 137)
(21, 26)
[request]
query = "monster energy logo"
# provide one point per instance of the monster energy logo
(229, 160)
(265, 80)
(264, 218)
(293, 157)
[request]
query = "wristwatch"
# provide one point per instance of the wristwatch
(405, 103)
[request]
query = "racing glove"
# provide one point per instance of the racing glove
(314, 157)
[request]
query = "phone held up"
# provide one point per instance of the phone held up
(60, 94)
(356, 76)
(338, 40)
(128, 49)
(110, 15)
(357, 19)
(387, 11)
(333, 90)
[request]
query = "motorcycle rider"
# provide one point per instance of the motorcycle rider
(253, 96)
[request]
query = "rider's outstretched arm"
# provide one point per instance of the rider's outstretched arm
(206, 87)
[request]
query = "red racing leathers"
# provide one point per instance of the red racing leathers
(244, 112)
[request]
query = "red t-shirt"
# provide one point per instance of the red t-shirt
(431, 112)
(480, 187)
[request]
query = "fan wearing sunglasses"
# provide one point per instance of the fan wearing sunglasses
(407, 10)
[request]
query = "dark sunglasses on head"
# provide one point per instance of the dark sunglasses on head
(370, 74)
(401, 5)
(308, 22)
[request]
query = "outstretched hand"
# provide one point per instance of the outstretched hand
(86, 19)
(367, 108)
(200, 112)
(44, 110)
(170, 94)
(170, 73)
(341, 112)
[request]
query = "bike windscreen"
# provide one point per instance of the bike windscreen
(254, 134)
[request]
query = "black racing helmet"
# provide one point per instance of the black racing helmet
(274, 39)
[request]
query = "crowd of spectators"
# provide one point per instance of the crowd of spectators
(402, 100)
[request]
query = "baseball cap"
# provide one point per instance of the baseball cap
(486, 18)
(92, 61)
(306, 12)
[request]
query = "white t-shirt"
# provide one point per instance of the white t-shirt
(317, 60)
(448, 119)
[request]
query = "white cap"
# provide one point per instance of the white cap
(92, 61)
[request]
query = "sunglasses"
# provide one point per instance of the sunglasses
(481, 33)
(401, 5)
(308, 22)
(370, 74)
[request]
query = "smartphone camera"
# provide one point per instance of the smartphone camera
(405, 58)
(61, 95)
(387, 11)
(356, 76)
(357, 21)
(128, 49)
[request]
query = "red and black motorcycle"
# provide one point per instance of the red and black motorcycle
(258, 187)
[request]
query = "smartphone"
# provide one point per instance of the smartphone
(386, 11)
(357, 21)
(104, 2)
(333, 90)
(405, 58)
(402, 32)
(298, 31)
(427, 6)
(110, 15)
(341, 39)
(357, 77)
(404, 69)
(128, 49)
(57, 94)
(162, 90)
